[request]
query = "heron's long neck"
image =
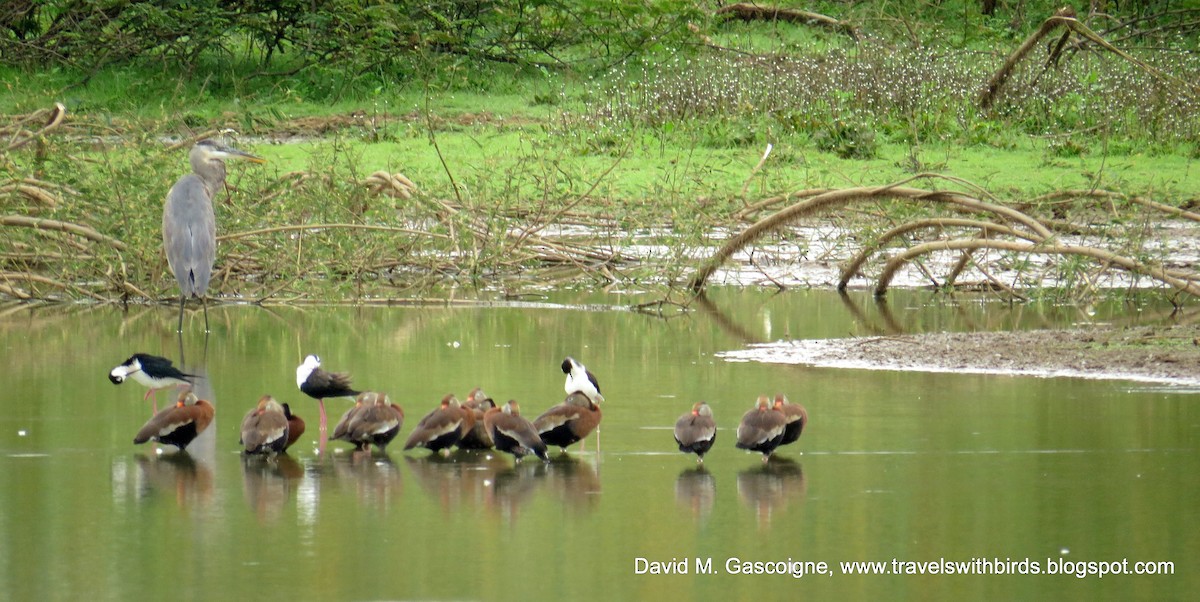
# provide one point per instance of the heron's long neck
(212, 172)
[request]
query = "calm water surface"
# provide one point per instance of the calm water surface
(907, 466)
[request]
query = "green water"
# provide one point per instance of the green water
(905, 466)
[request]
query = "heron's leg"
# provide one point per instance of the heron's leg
(182, 300)
(204, 302)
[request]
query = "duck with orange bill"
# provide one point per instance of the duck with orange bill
(796, 415)
(695, 431)
(761, 429)
(479, 404)
(374, 420)
(265, 428)
(568, 422)
(179, 424)
(513, 433)
(443, 427)
(296, 426)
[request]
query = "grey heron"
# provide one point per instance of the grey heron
(189, 226)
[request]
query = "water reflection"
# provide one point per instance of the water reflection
(771, 486)
(513, 487)
(268, 483)
(574, 481)
(177, 474)
(696, 489)
(462, 478)
(374, 476)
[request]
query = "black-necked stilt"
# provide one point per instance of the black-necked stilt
(265, 428)
(443, 427)
(374, 420)
(761, 428)
(568, 422)
(579, 379)
(796, 415)
(152, 372)
(179, 424)
(321, 385)
(695, 431)
(513, 433)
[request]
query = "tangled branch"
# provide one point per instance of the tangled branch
(1025, 234)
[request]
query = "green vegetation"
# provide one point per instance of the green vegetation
(545, 138)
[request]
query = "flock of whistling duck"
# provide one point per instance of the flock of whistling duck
(477, 423)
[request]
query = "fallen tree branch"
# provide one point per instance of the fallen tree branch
(855, 264)
(1063, 17)
(50, 224)
(836, 198)
(1131, 265)
(753, 12)
(304, 227)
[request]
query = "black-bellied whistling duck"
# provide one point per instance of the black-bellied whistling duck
(478, 438)
(152, 372)
(581, 380)
(568, 422)
(796, 415)
(695, 431)
(265, 428)
(374, 420)
(761, 428)
(295, 426)
(443, 427)
(321, 385)
(512, 433)
(179, 424)
(341, 430)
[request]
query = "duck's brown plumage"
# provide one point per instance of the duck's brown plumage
(513, 433)
(478, 403)
(796, 415)
(341, 430)
(374, 420)
(443, 427)
(179, 424)
(568, 422)
(295, 426)
(265, 428)
(761, 428)
(695, 431)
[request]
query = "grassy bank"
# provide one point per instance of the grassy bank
(508, 158)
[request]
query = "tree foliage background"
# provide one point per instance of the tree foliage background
(353, 34)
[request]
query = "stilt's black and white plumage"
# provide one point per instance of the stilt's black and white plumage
(152, 372)
(321, 385)
(579, 379)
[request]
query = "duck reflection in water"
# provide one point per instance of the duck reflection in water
(575, 481)
(176, 474)
(460, 479)
(268, 483)
(696, 489)
(770, 487)
(373, 475)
